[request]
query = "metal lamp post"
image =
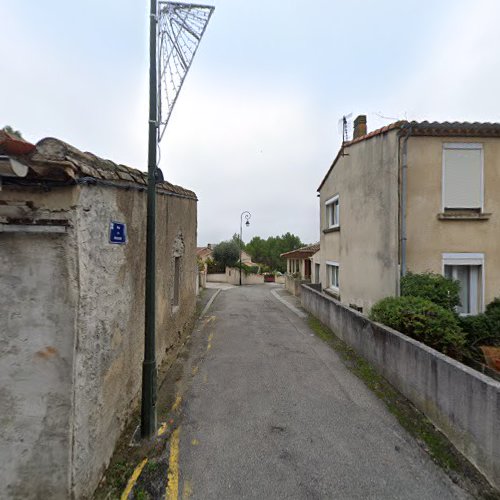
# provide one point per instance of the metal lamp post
(247, 223)
(175, 31)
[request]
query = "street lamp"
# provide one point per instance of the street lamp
(247, 223)
(175, 32)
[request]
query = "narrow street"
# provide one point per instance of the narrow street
(272, 412)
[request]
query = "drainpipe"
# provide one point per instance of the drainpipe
(404, 196)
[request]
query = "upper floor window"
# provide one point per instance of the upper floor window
(332, 212)
(462, 176)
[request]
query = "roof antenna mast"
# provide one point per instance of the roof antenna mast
(344, 128)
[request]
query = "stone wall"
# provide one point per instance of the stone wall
(463, 403)
(72, 330)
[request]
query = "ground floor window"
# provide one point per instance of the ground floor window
(294, 266)
(332, 275)
(468, 269)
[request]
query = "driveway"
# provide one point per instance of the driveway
(271, 412)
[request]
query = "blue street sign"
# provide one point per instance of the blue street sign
(117, 233)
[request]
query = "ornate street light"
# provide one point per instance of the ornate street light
(247, 223)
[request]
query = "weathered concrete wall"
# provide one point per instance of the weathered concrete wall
(366, 245)
(108, 365)
(72, 331)
(38, 299)
(430, 237)
(293, 285)
(233, 277)
(280, 279)
(463, 403)
(216, 278)
(202, 280)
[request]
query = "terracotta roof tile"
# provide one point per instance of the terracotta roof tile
(53, 154)
(425, 128)
(13, 145)
(306, 251)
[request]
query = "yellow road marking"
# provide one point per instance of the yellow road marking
(187, 490)
(172, 491)
(177, 403)
(133, 479)
(195, 442)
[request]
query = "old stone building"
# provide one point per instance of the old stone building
(72, 266)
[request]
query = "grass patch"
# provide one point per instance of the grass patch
(410, 418)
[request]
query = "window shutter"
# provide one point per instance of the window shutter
(462, 178)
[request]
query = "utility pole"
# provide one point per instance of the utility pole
(148, 405)
(174, 35)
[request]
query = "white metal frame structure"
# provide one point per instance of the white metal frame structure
(180, 29)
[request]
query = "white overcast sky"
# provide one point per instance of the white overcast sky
(256, 125)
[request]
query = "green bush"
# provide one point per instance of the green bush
(431, 286)
(493, 309)
(422, 320)
(482, 329)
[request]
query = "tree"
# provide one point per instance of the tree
(13, 132)
(268, 251)
(226, 253)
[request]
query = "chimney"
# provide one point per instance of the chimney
(209, 246)
(359, 126)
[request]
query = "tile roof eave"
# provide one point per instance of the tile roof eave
(54, 159)
(426, 128)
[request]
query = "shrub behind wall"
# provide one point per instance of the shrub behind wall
(422, 320)
(431, 286)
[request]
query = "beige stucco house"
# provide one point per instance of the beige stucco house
(299, 262)
(412, 196)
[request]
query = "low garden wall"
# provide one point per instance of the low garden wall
(233, 277)
(293, 285)
(216, 278)
(462, 403)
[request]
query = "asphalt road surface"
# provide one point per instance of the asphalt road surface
(271, 412)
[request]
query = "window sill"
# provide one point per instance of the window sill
(463, 215)
(333, 229)
(333, 292)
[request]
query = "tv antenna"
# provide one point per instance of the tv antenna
(345, 127)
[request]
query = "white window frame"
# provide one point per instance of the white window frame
(467, 259)
(331, 201)
(331, 263)
(461, 145)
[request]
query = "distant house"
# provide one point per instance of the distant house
(206, 253)
(299, 262)
(412, 196)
